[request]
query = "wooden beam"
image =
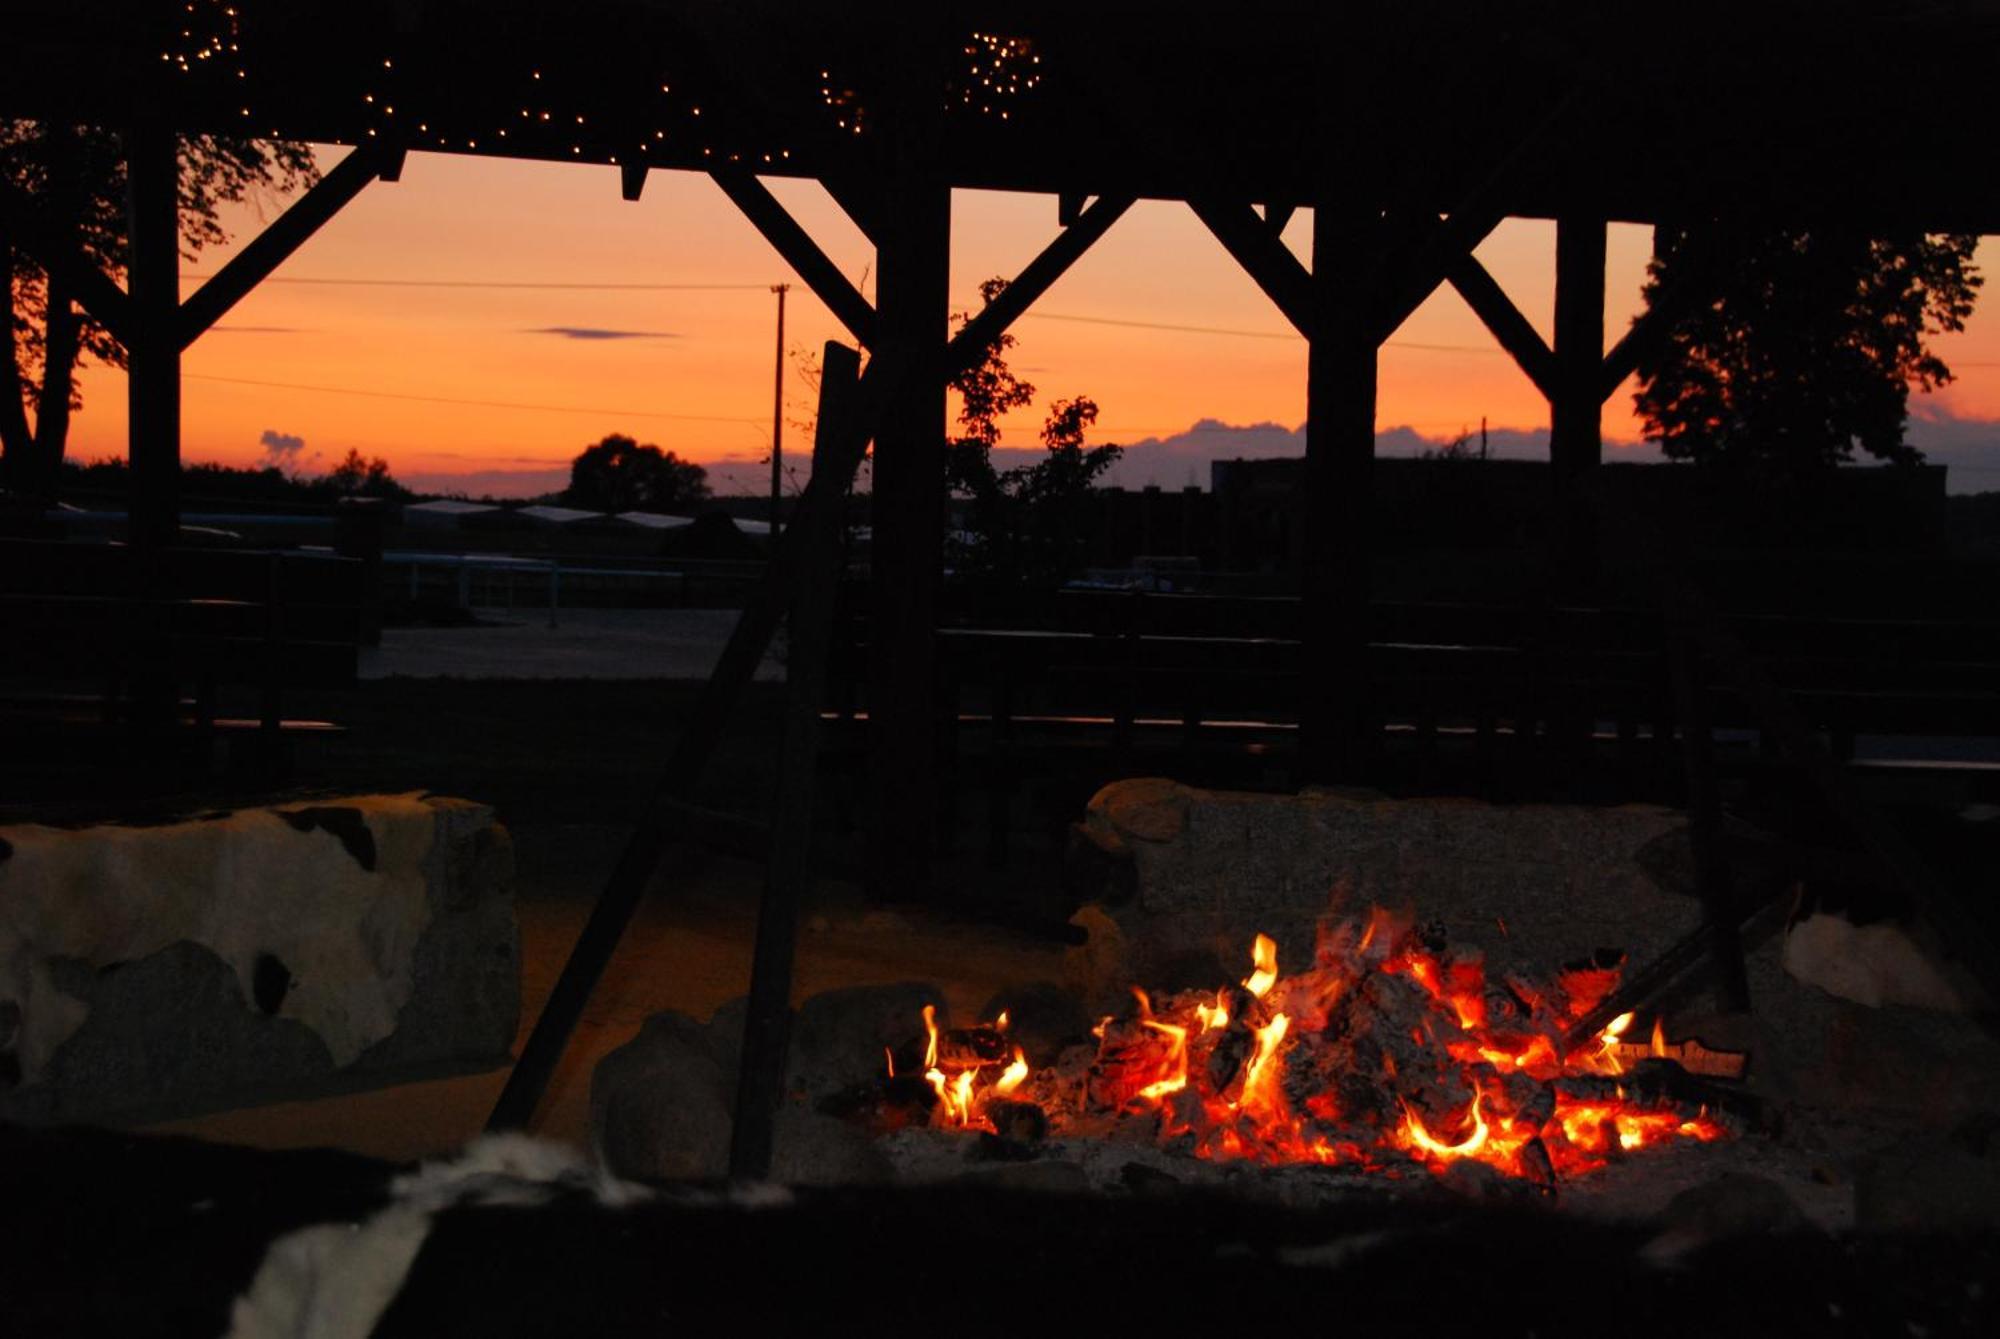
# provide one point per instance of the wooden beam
(1069, 208)
(809, 627)
(861, 204)
(631, 181)
(907, 508)
(663, 818)
(1268, 261)
(1277, 215)
(279, 242)
(1430, 262)
(1576, 409)
(1499, 314)
(1650, 331)
(1335, 715)
(1035, 279)
(791, 241)
(153, 346)
(42, 240)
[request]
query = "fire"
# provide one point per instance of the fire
(1419, 1137)
(1264, 961)
(1386, 1050)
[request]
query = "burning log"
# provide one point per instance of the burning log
(1021, 1123)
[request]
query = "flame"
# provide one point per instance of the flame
(1286, 1080)
(890, 1056)
(1606, 1061)
(1419, 1137)
(1013, 1076)
(1264, 957)
(1260, 1090)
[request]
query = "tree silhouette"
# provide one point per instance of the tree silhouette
(359, 476)
(78, 175)
(1028, 523)
(619, 474)
(1799, 345)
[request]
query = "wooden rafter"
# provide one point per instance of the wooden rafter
(34, 234)
(803, 254)
(281, 240)
(1500, 316)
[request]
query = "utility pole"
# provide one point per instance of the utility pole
(778, 412)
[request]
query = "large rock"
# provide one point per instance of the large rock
(1533, 885)
(661, 1105)
(284, 951)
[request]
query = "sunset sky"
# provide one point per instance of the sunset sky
(466, 384)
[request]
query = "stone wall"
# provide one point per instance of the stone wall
(1533, 885)
(232, 957)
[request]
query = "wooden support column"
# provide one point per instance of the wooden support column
(767, 1020)
(912, 309)
(1340, 462)
(153, 345)
(1576, 400)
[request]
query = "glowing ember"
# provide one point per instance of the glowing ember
(1386, 1049)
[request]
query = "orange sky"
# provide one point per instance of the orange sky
(695, 375)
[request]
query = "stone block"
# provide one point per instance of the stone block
(266, 953)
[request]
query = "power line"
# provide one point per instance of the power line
(1243, 334)
(533, 285)
(481, 404)
(509, 283)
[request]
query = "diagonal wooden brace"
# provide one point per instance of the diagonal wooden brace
(799, 250)
(282, 239)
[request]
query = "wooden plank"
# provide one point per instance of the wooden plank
(767, 1018)
(661, 821)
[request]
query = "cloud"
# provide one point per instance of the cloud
(281, 448)
(587, 332)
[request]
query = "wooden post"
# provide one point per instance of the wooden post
(153, 346)
(1340, 463)
(913, 302)
(767, 1019)
(1576, 443)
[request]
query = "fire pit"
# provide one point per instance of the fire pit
(1389, 1053)
(1246, 1016)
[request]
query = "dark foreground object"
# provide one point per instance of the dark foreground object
(108, 1233)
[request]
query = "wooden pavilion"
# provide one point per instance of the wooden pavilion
(1409, 129)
